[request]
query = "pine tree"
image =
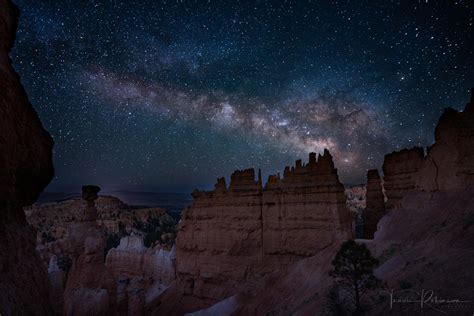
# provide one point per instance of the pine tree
(353, 271)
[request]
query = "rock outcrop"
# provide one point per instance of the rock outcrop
(449, 163)
(90, 287)
(400, 171)
(375, 204)
(25, 169)
(231, 235)
(355, 195)
(53, 222)
(447, 166)
(141, 273)
(140, 262)
(425, 244)
(355, 201)
(421, 246)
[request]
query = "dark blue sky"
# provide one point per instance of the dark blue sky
(169, 96)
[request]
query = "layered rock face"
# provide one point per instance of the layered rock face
(400, 171)
(425, 245)
(230, 235)
(447, 166)
(449, 163)
(303, 212)
(375, 204)
(26, 168)
(219, 240)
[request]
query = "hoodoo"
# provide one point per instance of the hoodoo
(375, 204)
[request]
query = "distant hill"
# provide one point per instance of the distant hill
(173, 202)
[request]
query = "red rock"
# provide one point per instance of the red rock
(139, 272)
(375, 204)
(400, 171)
(26, 168)
(230, 236)
(90, 286)
(427, 242)
(356, 197)
(449, 163)
(447, 166)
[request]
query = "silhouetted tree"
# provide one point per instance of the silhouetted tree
(353, 271)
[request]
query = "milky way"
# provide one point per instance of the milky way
(169, 96)
(296, 126)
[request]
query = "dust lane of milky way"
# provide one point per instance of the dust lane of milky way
(171, 95)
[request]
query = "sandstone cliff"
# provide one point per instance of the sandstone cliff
(232, 235)
(447, 166)
(375, 204)
(426, 243)
(420, 246)
(26, 168)
(400, 171)
(449, 163)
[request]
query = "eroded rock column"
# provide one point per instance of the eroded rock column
(90, 288)
(375, 204)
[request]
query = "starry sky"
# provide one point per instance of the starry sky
(168, 96)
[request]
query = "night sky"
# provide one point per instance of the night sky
(170, 96)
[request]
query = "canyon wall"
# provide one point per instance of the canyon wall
(26, 168)
(400, 170)
(425, 244)
(449, 163)
(375, 204)
(447, 166)
(230, 235)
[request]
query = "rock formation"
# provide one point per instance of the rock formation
(26, 168)
(90, 287)
(400, 171)
(57, 279)
(141, 273)
(356, 197)
(449, 163)
(230, 235)
(53, 222)
(141, 265)
(426, 243)
(375, 204)
(447, 166)
(355, 201)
